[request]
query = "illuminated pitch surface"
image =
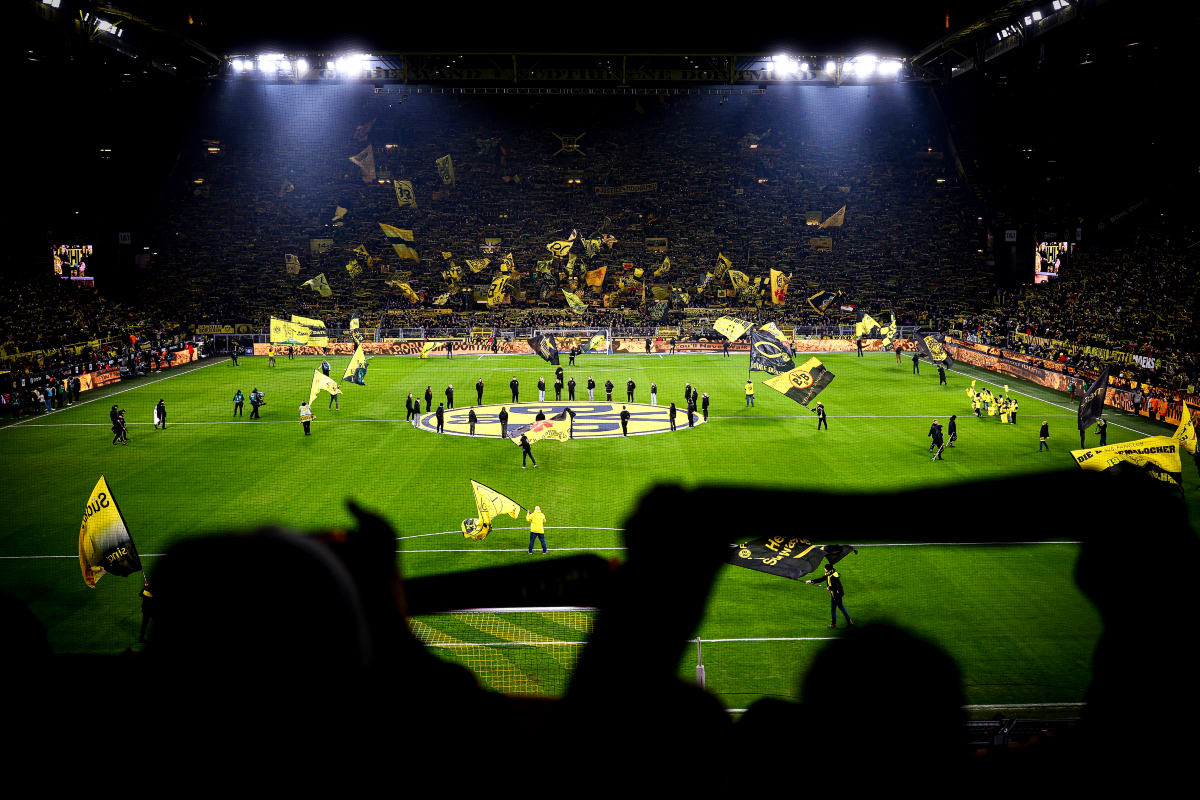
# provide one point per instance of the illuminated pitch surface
(592, 420)
(211, 472)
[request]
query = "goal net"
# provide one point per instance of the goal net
(522, 651)
(568, 337)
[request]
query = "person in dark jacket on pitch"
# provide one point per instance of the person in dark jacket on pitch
(441, 419)
(558, 384)
(629, 387)
(687, 393)
(591, 387)
(256, 402)
(449, 349)
(916, 359)
(471, 420)
(1043, 435)
(671, 415)
(571, 356)
(725, 349)
(118, 428)
(647, 344)
(860, 347)
(821, 418)
(515, 385)
(558, 374)
(704, 405)
(112, 415)
(1101, 428)
(325, 367)
(571, 416)
(428, 399)
(624, 420)
(691, 411)
(503, 417)
(541, 416)
(836, 594)
(541, 390)
(571, 389)
(233, 354)
(935, 433)
(408, 407)
(608, 387)
(526, 452)
(450, 396)
(239, 400)
(479, 392)
(941, 375)
(952, 430)
(160, 415)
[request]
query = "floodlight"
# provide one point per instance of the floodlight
(779, 57)
(330, 65)
(830, 67)
(769, 66)
(1056, 5)
(1037, 15)
(804, 66)
(237, 65)
(1029, 20)
(787, 67)
(889, 67)
(848, 67)
(302, 65)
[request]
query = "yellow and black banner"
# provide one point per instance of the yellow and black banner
(1185, 434)
(1157, 456)
(596, 344)
(321, 382)
(404, 194)
(732, 328)
(779, 286)
(786, 556)
(821, 243)
(445, 168)
(441, 299)
(560, 248)
(723, 265)
(392, 232)
(104, 542)
(631, 188)
(498, 290)
(821, 301)
(546, 347)
(930, 344)
(429, 347)
(867, 327)
(574, 303)
(836, 220)
(803, 383)
(740, 280)
(507, 264)
(356, 370)
(1091, 405)
(355, 333)
(769, 354)
(556, 428)
(406, 252)
(478, 264)
(317, 334)
(291, 264)
(656, 244)
(284, 332)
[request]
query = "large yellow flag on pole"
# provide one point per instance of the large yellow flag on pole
(104, 542)
(359, 360)
(322, 381)
(834, 221)
(1185, 434)
(489, 504)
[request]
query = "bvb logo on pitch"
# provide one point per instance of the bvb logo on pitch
(591, 420)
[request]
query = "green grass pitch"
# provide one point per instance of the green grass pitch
(210, 473)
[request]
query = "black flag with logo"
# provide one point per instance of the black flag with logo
(836, 552)
(546, 347)
(1092, 404)
(768, 354)
(785, 556)
(930, 344)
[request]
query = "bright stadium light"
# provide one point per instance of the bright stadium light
(302, 65)
(804, 66)
(830, 67)
(330, 65)
(866, 65)
(1037, 15)
(889, 67)
(848, 67)
(1056, 5)
(237, 65)
(341, 64)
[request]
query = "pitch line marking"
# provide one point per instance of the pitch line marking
(121, 391)
(1029, 705)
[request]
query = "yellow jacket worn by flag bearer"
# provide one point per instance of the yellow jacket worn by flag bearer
(284, 332)
(393, 232)
(768, 354)
(321, 381)
(1185, 434)
(803, 383)
(318, 336)
(445, 168)
(1157, 456)
(732, 328)
(319, 285)
(104, 541)
(836, 220)
(489, 504)
(429, 347)
(357, 362)
(404, 194)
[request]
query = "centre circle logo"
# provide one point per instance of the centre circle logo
(592, 420)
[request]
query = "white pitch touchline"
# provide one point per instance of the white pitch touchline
(122, 391)
(548, 527)
(1029, 705)
(502, 550)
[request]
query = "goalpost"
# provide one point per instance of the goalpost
(583, 334)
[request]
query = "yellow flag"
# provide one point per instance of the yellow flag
(104, 541)
(393, 232)
(740, 280)
(732, 328)
(779, 285)
(405, 289)
(1185, 434)
(441, 299)
(836, 220)
(595, 277)
(477, 264)
(1157, 456)
(561, 247)
(498, 290)
(723, 265)
(661, 291)
(492, 504)
(358, 360)
(319, 382)
(429, 347)
(404, 194)
(773, 329)
(577, 305)
(319, 284)
(406, 252)
(445, 167)
(317, 335)
(638, 272)
(507, 264)
(291, 264)
(354, 268)
(339, 213)
(283, 332)
(664, 269)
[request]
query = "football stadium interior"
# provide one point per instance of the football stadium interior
(488, 387)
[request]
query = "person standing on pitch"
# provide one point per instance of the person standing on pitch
(333, 402)
(671, 416)
(541, 390)
(624, 420)
(306, 416)
(1101, 428)
(1043, 435)
(537, 527)
(558, 384)
(503, 417)
(325, 367)
(860, 347)
(725, 349)
(408, 407)
(691, 411)
(233, 354)
(270, 356)
(571, 356)
(941, 375)
(608, 387)
(897, 348)
(653, 393)
(450, 396)
(118, 427)
(821, 420)
(515, 385)
(558, 374)
(527, 452)
(471, 420)
(837, 593)
(672, 345)
(749, 393)
(952, 430)
(441, 419)
(255, 403)
(916, 359)
(239, 400)
(591, 387)
(571, 389)
(935, 432)
(1013, 411)
(449, 349)
(428, 399)
(647, 344)
(704, 405)
(291, 353)
(540, 416)
(160, 415)
(629, 387)
(479, 392)
(687, 393)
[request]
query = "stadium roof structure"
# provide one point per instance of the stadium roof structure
(1014, 24)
